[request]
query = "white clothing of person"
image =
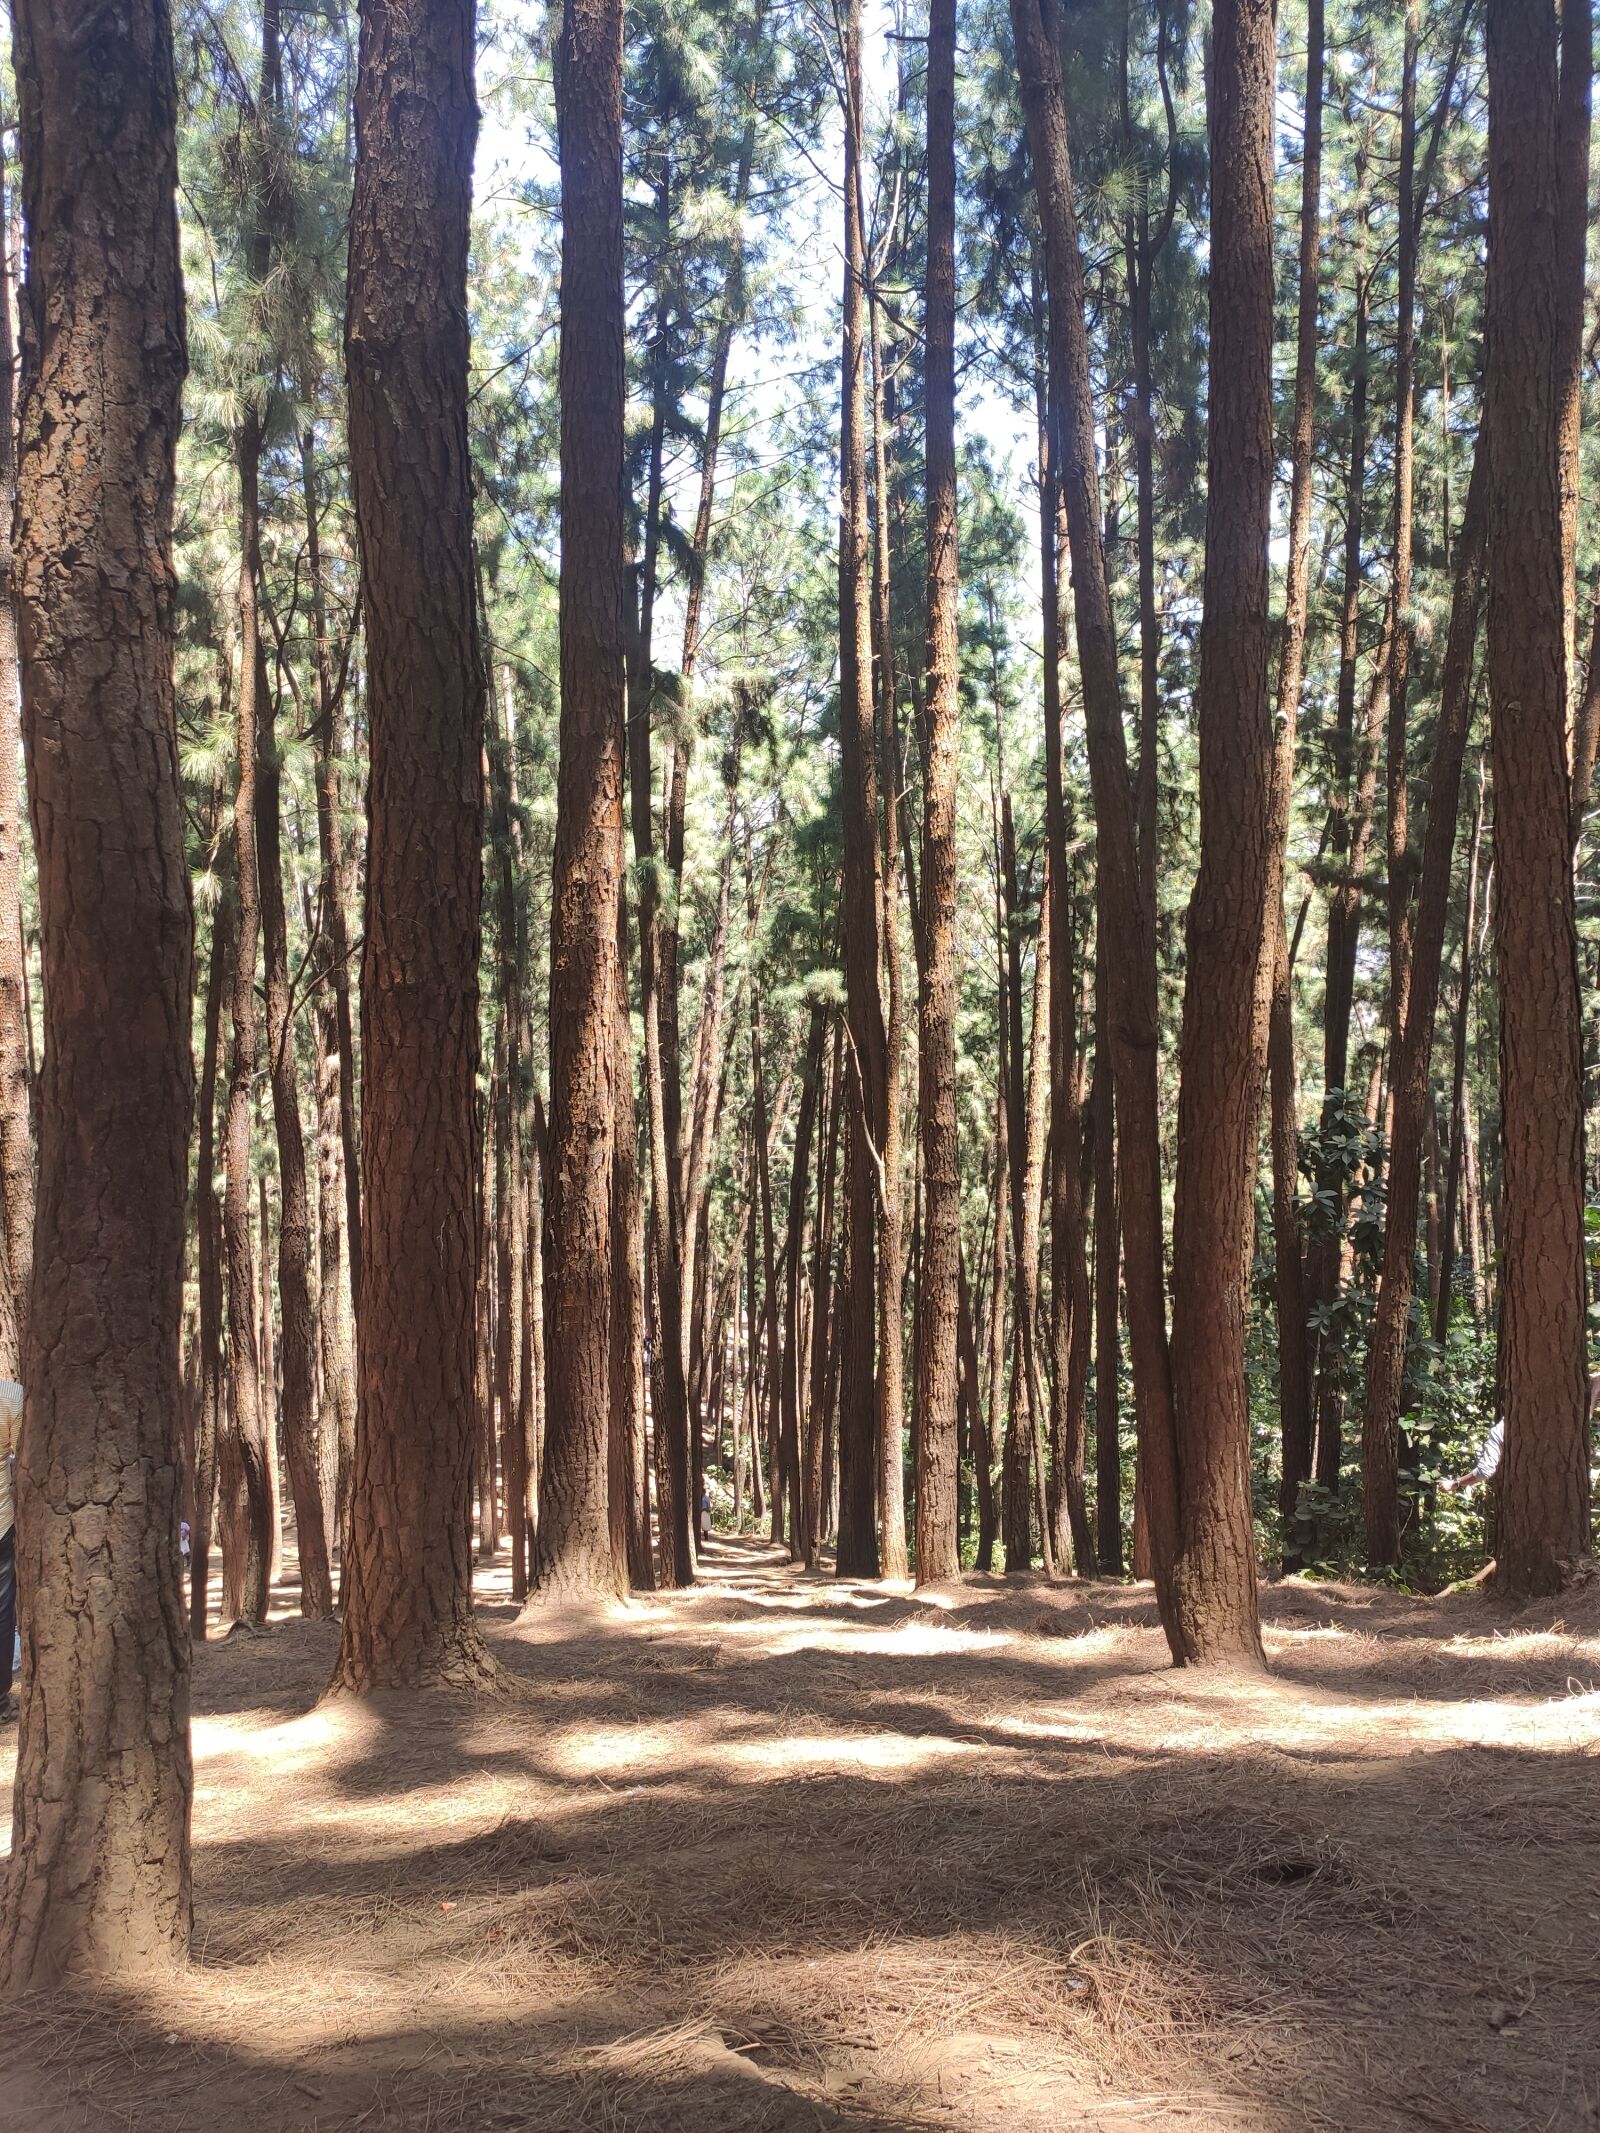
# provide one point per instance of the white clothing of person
(1488, 1460)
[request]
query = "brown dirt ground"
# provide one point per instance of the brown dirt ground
(787, 1853)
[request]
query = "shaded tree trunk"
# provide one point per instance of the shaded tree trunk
(1131, 995)
(1411, 1081)
(862, 901)
(938, 1289)
(408, 1608)
(99, 1873)
(1544, 1486)
(1460, 1116)
(208, 1226)
(16, 1090)
(575, 1544)
(1240, 881)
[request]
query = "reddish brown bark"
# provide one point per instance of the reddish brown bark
(99, 1874)
(408, 1602)
(1214, 1617)
(1131, 993)
(575, 1540)
(16, 1123)
(1411, 1077)
(1544, 1488)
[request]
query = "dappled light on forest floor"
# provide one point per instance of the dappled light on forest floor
(784, 1853)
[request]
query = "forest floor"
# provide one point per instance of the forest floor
(788, 1853)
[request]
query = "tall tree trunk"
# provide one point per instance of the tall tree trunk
(891, 1396)
(1131, 997)
(1107, 1347)
(987, 1452)
(938, 1289)
(408, 1608)
(99, 1874)
(813, 1495)
(306, 1443)
(575, 1551)
(628, 1453)
(862, 901)
(1572, 246)
(1459, 1114)
(341, 1171)
(1240, 881)
(16, 1091)
(1410, 1078)
(794, 1259)
(208, 1224)
(1294, 1380)
(1544, 1488)
(1396, 755)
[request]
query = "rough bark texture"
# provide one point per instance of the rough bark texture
(16, 1124)
(1411, 1075)
(1131, 991)
(213, 1390)
(1544, 1487)
(575, 1552)
(1240, 879)
(99, 1873)
(938, 1289)
(408, 1584)
(862, 901)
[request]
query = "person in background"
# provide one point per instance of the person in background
(1487, 1464)
(10, 1423)
(705, 1516)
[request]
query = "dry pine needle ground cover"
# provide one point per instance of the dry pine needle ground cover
(790, 1854)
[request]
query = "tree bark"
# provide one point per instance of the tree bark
(1131, 996)
(1410, 1080)
(208, 1253)
(408, 1604)
(1459, 1113)
(1215, 1616)
(1294, 1381)
(99, 1874)
(862, 900)
(575, 1551)
(1544, 1486)
(16, 1089)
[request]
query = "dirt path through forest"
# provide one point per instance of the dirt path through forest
(786, 1853)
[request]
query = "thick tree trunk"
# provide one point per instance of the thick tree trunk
(575, 1551)
(99, 1874)
(1544, 1487)
(408, 1608)
(1131, 995)
(862, 900)
(1411, 1080)
(16, 1091)
(1240, 882)
(938, 1289)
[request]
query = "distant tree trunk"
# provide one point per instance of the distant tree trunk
(628, 1453)
(1544, 1487)
(862, 892)
(1107, 1301)
(208, 1225)
(575, 1549)
(1131, 996)
(1411, 1074)
(813, 1493)
(1241, 874)
(99, 1874)
(1459, 1113)
(1396, 754)
(16, 1125)
(1294, 1381)
(308, 1447)
(938, 1289)
(987, 1452)
(1069, 1282)
(243, 1453)
(338, 1155)
(794, 1257)
(408, 1602)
